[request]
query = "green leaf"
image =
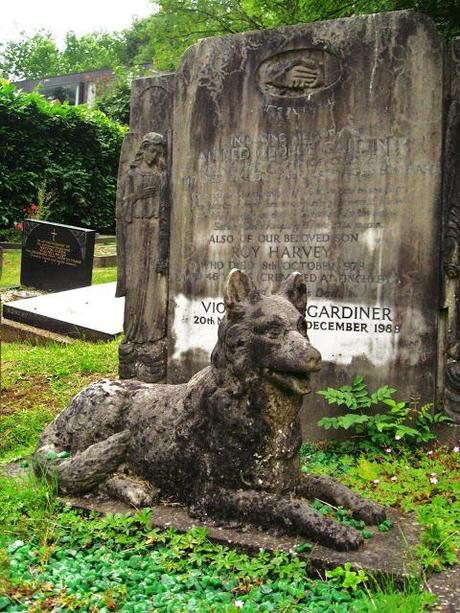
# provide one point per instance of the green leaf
(403, 431)
(351, 419)
(382, 393)
(367, 470)
(327, 423)
(389, 402)
(304, 548)
(385, 525)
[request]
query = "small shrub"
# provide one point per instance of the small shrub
(344, 577)
(115, 101)
(400, 422)
(11, 235)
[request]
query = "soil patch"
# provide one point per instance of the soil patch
(35, 391)
(26, 395)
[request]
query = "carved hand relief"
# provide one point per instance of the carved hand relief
(297, 73)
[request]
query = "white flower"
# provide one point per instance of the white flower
(433, 480)
(12, 548)
(457, 449)
(394, 479)
(387, 450)
(239, 604)
(430, 452)
(376, 481)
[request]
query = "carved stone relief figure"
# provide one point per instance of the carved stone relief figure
(143, 245)
(451, 260)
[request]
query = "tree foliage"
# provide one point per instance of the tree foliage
(163, 36)
(92, 51)
(31, 57)
(37, 56)
(116, 97)
(180, 23)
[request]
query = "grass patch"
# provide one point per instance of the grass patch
(12, 270)
(28, 508)
(39, 381)
(423, 481)
(390, 599)
(11, 267)
(20, 431)
(22, 360)
(104, 275)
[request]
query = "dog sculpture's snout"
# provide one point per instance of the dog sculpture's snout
(313, 359)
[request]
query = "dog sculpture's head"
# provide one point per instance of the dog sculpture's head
(267, 335)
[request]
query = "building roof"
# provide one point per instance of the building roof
(75, 77)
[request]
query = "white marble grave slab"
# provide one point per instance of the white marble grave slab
(90, 312)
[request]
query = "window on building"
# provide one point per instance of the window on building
(71, 93)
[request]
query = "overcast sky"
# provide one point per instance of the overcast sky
(60, 16)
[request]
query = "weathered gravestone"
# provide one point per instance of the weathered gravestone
(316, 148)
(56, 257)
(450, 318)
(143, 212)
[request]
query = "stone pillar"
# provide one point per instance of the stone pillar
(451, 248)
(143, 210)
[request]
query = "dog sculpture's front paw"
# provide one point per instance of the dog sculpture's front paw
(329, 490)
(345, 538)
(135, 492)
(369, 512)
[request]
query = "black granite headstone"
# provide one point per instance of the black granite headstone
(56, 257)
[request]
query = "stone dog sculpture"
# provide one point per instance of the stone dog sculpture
(226, 443)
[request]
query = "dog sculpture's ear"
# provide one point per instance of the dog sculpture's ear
(237, 288)
(295, 290)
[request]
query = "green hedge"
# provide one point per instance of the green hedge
(64, 156)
